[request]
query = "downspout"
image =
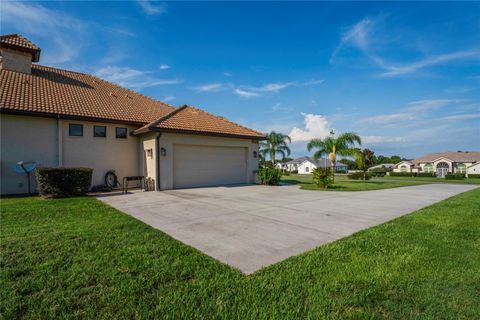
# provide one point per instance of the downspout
(157, 147)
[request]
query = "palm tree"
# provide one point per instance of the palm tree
(365, 158)
(343, 145)
(276, 143)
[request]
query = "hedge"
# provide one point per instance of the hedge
(269, 176)
(455, 176)
(471, 175)
(359, 176)
(403, 174)
(426, 174)
(63, 182)
(378, 173)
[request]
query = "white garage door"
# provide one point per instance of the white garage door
(198, 166)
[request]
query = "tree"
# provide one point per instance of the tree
(352, 165)
(343, 145)
(276, 143)
(365, 159)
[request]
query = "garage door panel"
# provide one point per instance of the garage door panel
(197, 165)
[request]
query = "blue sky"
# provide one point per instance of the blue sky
(405, 76)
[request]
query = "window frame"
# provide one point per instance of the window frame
(95, 134)
(116, 133)
(70, 125)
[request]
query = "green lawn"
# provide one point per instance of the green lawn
(78, 258)
(430, 179)
(342, 183)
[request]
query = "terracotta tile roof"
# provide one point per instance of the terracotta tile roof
(56, 92)
(189, 119)
(453, 156)
(18, 42)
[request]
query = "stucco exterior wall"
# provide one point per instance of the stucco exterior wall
(302, 168)
(148, 156)
(475, 169)
(25, 139)
(47, 141)
(168, 140)
(101, 154)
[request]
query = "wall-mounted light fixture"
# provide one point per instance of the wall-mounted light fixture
(163, 152)
(149, 153)
(255, 154)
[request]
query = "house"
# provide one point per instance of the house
(306, 165)
(64, 118)
(291, 165)
(442, 163)
(385, 166)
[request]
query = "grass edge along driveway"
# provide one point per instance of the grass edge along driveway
(79, 258)
(342, 183)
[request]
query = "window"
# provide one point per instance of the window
(121, 133)
(461, 168)
(99, 131)
(403, 168)
(428, 168)
(307, 169)
(75, 130)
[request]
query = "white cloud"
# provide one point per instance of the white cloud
(372, 140)
(413, 111)
(152, 8)
(210, 87)
(227, 74)
(316, 126)
(360, 36)
(60, 28)
(393, 70)
(245, 94)
(132, 78)
(461, 117)
(164, 66)
(168, 98)
(253, 91)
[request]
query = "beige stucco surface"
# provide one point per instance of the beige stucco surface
(168, 140)
(101, 154)
(25, 139)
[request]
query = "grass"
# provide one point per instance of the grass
(342, 183)
(78, 258)
(431, 179)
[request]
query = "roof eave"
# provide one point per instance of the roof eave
(201, 133)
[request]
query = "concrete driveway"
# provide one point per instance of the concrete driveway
(249, 227)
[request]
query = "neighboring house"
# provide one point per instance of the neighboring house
(386, 166)
(63, 118)
(442, 163)
(292, 165)
(473, 168)
(310, 164)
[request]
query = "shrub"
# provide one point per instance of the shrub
(403, 174)
(378, 173)
(426, 174)
(269, 176)
(295, 171)
(473, 176)
(359, 176)
(322, 178)
(63, 182)
(455, 176)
